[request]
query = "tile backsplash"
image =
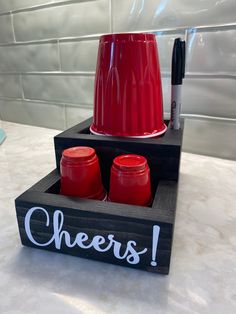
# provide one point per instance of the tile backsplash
(77, 19)
(59, 88)
(79, 56)
(29, 58)
(132, 15)
(212, 52)
(48, 51)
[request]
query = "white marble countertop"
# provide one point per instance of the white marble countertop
(202, 278)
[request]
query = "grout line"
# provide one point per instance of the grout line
(1, 118)
(203, 28)
(60, 103)
(198, 116)
(81, 38)
(90, 107)
(54, 40)
(211, 28)
(207, 75)
(186, 38)
(186, 35)
(32, 42)
(22, 88)
(111, 16)
(219, 75)
(59, 56)
(198, 75)
(13, 29)
(65, 120)
(52, 73)
(9, 98)
(164, 74)
(203, 117)
(173, 31)
(45, 6)
(80, 105)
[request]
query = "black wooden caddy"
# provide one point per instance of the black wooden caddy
(134, 236)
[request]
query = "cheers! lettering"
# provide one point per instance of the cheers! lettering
(98, 242)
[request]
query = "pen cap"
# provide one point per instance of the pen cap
(128, 90)
(183, 46)
(178, 62)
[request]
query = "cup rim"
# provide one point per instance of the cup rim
(130, 37)
(130, 163)
(153, 134)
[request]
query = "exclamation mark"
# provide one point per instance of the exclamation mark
(155, 238)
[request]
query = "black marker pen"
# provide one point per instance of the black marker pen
(177, 75)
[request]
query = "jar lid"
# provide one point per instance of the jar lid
(130, 162)
(78, 153)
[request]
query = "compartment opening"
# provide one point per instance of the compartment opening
(87, 130)
(55, 188)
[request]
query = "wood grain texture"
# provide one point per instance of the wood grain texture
(95, 223)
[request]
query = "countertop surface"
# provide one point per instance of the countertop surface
(202, 277)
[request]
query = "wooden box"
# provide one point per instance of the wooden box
(133, 236)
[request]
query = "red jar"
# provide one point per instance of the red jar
(80, 173)
(130, 180)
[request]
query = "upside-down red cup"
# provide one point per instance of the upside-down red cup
(130, 180)
(80, 173)
(128, 90)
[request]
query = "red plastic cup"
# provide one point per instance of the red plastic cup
(80, 173)
(130, 180)
(128, 91)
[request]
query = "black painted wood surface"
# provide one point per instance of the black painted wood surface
(163, 153)
(96, 218)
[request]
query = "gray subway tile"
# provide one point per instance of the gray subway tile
(11, 5)
(166, 92)
(165, 45)
(209, 137)
(82, 18)
(133, 15)
(59, 88)
(25, 58)
(75, 115)
(33, 113)
(214, 97)
(79, 56)
(6, 33)
(204, 96)
(212, 52)
(5, 6)
(10, 86)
